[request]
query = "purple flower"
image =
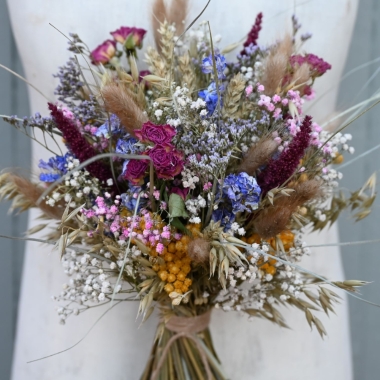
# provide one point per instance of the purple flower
(253, 34)
(113, 125)
(208, 65)
(210, 96)
(242, 191)
(167, 161)
(279, 170)
(317, 65)
(180, 191)
(225, 217)
(136, 170)
(78, 145)
(104, 52)
(157, 134)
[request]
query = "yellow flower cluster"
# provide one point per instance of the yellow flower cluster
(287, 238)
(176, 264)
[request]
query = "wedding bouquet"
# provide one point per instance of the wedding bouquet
(188, 187)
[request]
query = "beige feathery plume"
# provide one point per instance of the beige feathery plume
(301, 74)
(159, 15)
(272, 220)
(275, 66)
(25, 194)
(257, 156)
(176, 14)
(118, 101)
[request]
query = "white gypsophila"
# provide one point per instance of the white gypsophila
(89, 284)
(75, 185)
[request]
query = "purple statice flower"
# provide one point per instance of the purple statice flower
(220, 63)
(70, 83)
(210, 96)
(79, 146)
(253, 34)
(55, 167)
(279, 170)
(112, 124)
(242, 191)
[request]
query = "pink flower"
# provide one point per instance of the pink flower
(317, 65)
(167, 161)
(104, 52)
(131, 38)
(157, 134)
(248, 90)
(136, 170)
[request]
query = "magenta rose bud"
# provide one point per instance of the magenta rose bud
(157, 134)
(104, 52)
(180, 191)
(130, 37)
(167, 161)
(136, 170)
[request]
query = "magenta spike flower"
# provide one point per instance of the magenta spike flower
(79, 146)
(253, 34)
(278, 171)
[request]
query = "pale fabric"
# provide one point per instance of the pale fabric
(117, 348)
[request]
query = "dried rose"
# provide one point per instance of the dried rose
(157, 134)
(167, 161)
(136, 170)
(104, 52)
(131, 38)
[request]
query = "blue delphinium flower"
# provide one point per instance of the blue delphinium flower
(126, 145)
(210, 96)
(243, 192)
(220, 63)
(112, 124)
(55, 167)
(225, 217)
(129, 200)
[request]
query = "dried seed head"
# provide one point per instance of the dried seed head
(199, 250)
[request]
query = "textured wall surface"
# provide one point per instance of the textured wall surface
(14, 152)
(361, 262)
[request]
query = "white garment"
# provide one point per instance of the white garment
(117, 348)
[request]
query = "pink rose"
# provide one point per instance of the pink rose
(136, 170)
(167, 161)
(157, 134)
(130, 37)
(104, 52)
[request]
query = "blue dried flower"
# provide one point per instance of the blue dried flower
(243, 192)
(210, 96)
(55, 167)
(112, 124)
(225, 217)
(129, 201)
(126, 145)
(208, 66)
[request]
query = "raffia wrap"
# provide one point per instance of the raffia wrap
(186, 327)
